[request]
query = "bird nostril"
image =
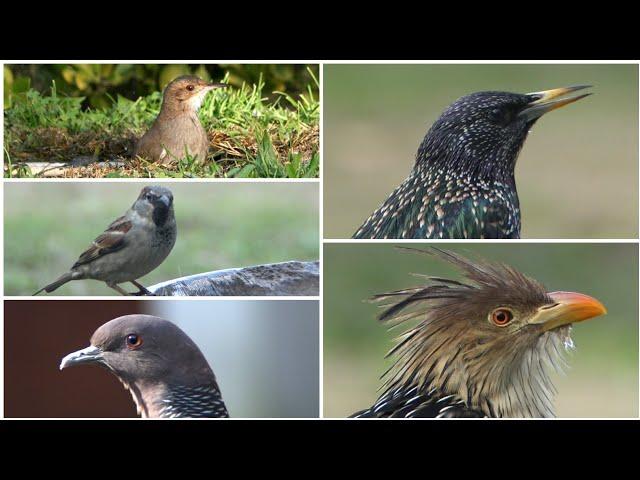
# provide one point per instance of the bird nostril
(547, 307)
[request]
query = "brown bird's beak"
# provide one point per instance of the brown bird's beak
(217, 85)
(547, 100)
(90, 354)
(568, 307)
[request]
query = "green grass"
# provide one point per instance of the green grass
(220, 225)
(250, 136)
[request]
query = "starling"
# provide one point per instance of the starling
(177, 129)
(462, 184)
(482, 348)
(165, 371)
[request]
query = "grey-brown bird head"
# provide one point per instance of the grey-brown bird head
(186, 93)
(155, 202)
(483, 347)
(166, 372)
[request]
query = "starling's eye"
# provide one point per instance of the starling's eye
(133, 341)
(190, 88)
(501, 116)
(501, 317)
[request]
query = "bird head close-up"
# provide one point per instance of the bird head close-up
(463, 184)
(482, 133)
(163, 368)
(484, 346)
(186, 93)
(155, 202)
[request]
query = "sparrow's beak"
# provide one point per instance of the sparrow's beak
(567, 308)
(90, 354)
(547, 100)
(165, 200)
(211, 86)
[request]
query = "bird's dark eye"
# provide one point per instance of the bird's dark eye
(501, 317)
(149, 196)
(133, 341)
(190, 88)
(501, 116)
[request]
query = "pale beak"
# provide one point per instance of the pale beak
(217, 85)
(90, 354)
(568, 307)
(547, 100)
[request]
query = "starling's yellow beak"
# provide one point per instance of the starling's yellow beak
(547, 100)
(568, 307)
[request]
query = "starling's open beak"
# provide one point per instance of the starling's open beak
(90, 354)
(547, 100)
(568, 307)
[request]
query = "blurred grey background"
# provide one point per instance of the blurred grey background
(602, 379)
(264, 354)
(577, 174)
(220, 225)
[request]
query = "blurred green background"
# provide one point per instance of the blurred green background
(577, 175)
(98, 82)
(220, 225)
(602, 379)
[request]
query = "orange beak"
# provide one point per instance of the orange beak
(568, 307)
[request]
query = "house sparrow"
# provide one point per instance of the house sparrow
(132, 246)
(177, 129)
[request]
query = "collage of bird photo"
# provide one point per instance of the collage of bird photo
(330, 240)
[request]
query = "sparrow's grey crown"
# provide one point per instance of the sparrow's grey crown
(165, 370)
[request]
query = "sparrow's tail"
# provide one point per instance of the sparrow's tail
(67, 277)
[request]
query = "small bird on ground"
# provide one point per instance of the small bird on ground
(132, 246)
(462, 184)
(177, 130)
(165, 371)
(482, 348)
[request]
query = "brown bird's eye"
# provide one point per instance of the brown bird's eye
(501, 317)
(190, 88)
(133, 341)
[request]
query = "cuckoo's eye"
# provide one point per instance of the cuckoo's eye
(190, 87)
(133, 341)
(501, 317)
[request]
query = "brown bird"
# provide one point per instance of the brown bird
(482, 348)
(131, 246)
(165, 371)
(177, 130)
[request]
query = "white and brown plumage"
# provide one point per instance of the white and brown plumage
(482, 348)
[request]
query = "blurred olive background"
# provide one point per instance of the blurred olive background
(577, 175)
(264, 355)
(602, 379)
(220, 225)
(98, 82)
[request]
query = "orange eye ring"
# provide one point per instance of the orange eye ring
(501, 317)
(133, 341)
